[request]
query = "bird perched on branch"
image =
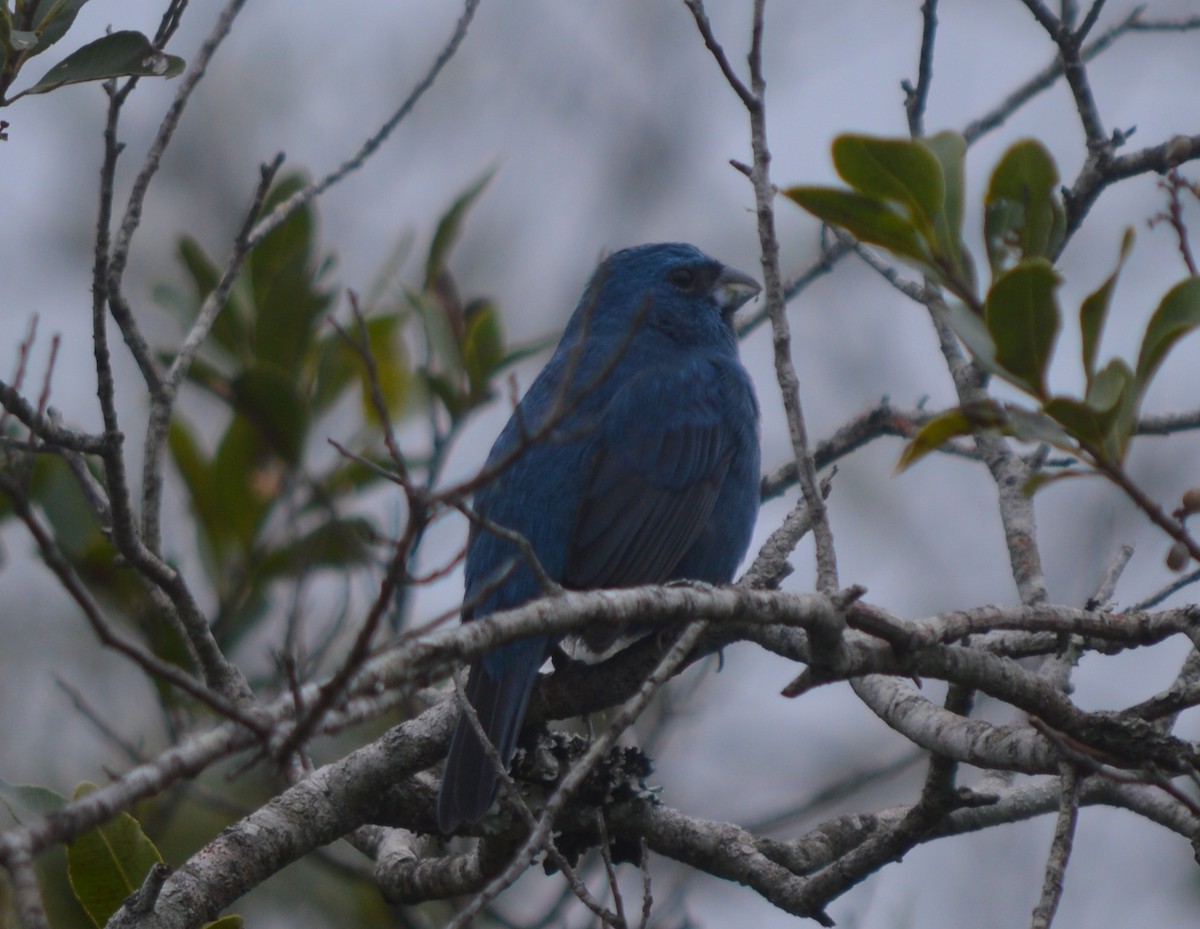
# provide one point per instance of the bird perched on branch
(633, 459)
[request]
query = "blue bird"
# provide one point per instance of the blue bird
(633, 459)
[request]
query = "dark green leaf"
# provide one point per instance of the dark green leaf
(1094, 310)
(53, 21)
(1176, 316)
(230, 330)
(337, 367)
(339, 543)
(448, 228)
(1082, 422)
(900, 170)
(207, 377)
(76, 529)
(285, 273)
(109, 863)
(444, 390)
(118, 54)
(349, 477)
(246, 480)
(198, 479)
(867, 219)
(1023, 319)
(1023, 215)
(521, 352)
(225, 922)
(242, 609)
(268, 398)
(8, 40)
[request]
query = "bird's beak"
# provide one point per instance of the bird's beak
(732, 288)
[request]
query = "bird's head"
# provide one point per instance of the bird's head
(671, 288)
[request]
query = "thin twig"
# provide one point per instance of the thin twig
(284, 209)
(1060, 850)
(915, 98)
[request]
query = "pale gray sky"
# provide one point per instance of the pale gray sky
(611, 125)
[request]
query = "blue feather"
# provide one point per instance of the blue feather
(633, 459)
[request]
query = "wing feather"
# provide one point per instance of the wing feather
(654, 479)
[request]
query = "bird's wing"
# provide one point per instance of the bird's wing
(661, 454)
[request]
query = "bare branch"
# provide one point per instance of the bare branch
(1060, 851)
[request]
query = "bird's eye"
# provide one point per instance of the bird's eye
(682, 278)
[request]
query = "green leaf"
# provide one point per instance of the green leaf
(449, 226)
(392, 369)
(951, 424)
(521, 352)
(901, 170)
(439, 334)
(108, 863)
(285, 274)
(266, 395)
(1176, 316)
(441, 387)
(1081, 420)
(868, 219)
(1043, 479)
(6, 35)
(349, 477)
(27, 803)
(76, 530)
(1023, 319)
(230, 330)
(337, 368)
(244, 482)
(52, 21)
(483, 345)
(339, 543)
(197, 473)
(232, 921)
(341, 365)
(1023, 216)
(933, 435)
(118, 54)
(950, 148)
(1094, 310)
(1116, 379)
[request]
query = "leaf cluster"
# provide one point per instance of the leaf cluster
(906, 196)
(105, 864)
(31, 27)
(288, 377)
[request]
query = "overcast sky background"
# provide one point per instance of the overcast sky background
(610, 126)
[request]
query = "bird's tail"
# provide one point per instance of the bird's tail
(500, 695)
